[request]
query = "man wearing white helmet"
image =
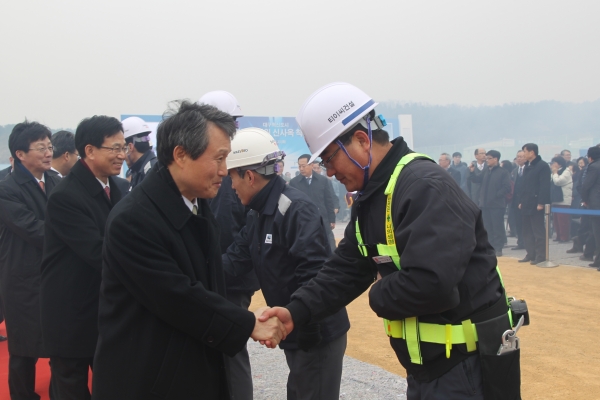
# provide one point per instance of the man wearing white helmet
(230, 215)
(285, 242)
(416, 234)
(140, 157)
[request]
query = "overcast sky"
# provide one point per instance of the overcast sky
(62, 61)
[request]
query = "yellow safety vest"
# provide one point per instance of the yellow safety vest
(410, 329)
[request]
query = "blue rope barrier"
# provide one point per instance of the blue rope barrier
(575, 211)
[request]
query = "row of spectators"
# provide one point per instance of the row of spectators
(521, 188)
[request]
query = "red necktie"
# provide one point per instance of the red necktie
(107, 191)
(42, 186)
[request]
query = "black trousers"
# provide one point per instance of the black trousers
(70, 377)
(464, 381)
(21, 378)
(493, 221)
(514, 215)
(240, 372)
(534, 234)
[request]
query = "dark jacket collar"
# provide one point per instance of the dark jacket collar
(162, 191)
(536, 160)
(384, 170)
(22, 175)
(265, 201)
(139, 164)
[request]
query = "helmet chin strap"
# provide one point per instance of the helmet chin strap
(366, 167)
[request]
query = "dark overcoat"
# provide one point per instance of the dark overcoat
(536, 185)
(22, 215)
(590, 190)
(320, 191)
(76, 214)
(164, 323)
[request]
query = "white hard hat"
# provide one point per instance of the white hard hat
(330, 112)
(254, 148)
(134, 126)
(224, 101)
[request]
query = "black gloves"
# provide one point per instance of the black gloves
(309, 336)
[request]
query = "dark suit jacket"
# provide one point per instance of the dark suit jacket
(122, 184)
(76, 214)
(590, 190)
(518, 180)
(536, 185)
(320, 191)
(455, 174)
(4, 173)
(495, 185)
(164, 323)
(22, 215)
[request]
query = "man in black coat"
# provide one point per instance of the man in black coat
(320, 190)
(535, 194)
(74, 232)
(590, 195)
(495, 185)
(164, 323)
(23, 197)
(479, 166)
(514, 213)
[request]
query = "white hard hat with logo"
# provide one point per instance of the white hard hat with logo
(224, 101)
(330, 112)
(254, 149)
(134, 126)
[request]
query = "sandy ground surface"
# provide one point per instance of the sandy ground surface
(560, 357)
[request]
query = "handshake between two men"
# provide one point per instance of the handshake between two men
(272, 326)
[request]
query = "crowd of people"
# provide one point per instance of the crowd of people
(518, 190)
(147, 280)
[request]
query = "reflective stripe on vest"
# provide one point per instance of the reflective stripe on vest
(410, 329)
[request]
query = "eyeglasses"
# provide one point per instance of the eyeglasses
(325, 163)
(115, 149)
(44, 149)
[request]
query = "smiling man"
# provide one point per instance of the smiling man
(23, 197)
(77, 212)
(164, 323)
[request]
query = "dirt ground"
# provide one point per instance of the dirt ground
(560, 358)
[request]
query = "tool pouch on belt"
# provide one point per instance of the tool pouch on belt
(501, 373)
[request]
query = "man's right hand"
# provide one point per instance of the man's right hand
(269, 331)
(282, 314)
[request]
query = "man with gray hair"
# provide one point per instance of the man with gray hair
(444, 162)
(164, 322)
(65, 154)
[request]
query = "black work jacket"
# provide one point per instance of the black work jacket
(74, 231)
(495, 185)
(448, 268)
(284, 240)
(164, 322)
(536, 185)
(141, 167)
(22, 215)
(230, 215)
(590, 189)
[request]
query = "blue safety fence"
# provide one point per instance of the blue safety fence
(575, 211)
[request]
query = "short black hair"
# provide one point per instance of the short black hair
(494, 154)
(531, 147)
(307, 156)
(594, 153)
(456, 154)
(63, 142)
(562, 153)
(94, 130)
(25, 133)
(186, 124)
(560, 161)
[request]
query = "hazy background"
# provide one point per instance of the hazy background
(460, 67)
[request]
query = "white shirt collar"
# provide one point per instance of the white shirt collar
(189, 204)
(107, 184)
(41, 180)
(55, 170)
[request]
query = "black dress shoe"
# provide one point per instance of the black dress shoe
(3, 338)
(526, 259)
(517, 248)
(594, 265)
